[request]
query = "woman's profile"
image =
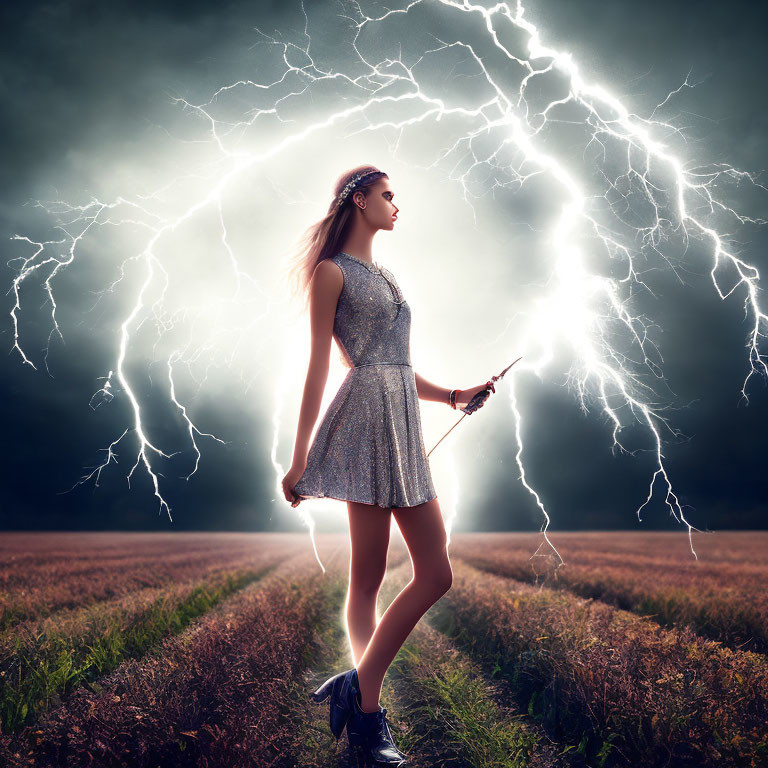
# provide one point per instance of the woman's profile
(368, 449)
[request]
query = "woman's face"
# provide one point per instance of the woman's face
(380, 210)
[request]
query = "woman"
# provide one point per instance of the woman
(369, 448)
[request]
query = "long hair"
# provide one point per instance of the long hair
(324, 238)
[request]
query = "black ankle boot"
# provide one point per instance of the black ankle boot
(370, 739)
(342, 689)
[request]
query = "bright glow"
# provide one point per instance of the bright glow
(500, 140)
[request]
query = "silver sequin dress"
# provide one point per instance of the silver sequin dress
(369, 446)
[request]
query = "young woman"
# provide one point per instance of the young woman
(369, 448)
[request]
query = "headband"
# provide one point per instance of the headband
(351, 184)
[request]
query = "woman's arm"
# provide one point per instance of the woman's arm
(324, 290)
(429, 391)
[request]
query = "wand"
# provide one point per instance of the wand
(474, 404)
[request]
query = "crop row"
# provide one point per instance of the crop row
(211, 696)
(623, 688)
(60, 575)
(39, 666)
(719, 596)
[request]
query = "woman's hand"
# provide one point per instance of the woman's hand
(289, 482)
(463, 397)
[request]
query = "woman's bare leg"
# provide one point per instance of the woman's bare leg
(369, 527)
(424, 533)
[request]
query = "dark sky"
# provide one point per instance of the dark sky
(80, 76)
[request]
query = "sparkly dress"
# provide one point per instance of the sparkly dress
(369, 446)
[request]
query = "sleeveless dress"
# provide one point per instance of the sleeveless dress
(369, 445)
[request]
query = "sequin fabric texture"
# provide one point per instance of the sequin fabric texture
(369, 445)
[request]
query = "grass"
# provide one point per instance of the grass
(455, 715)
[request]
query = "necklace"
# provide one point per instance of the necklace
(370, 266)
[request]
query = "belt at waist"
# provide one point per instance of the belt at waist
(360, 365)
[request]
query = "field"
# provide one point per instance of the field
(144, 650)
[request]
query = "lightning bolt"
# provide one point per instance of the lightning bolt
(642, 194)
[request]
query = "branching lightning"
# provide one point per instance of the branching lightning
(656, 195)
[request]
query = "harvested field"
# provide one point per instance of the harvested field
(201, 650)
